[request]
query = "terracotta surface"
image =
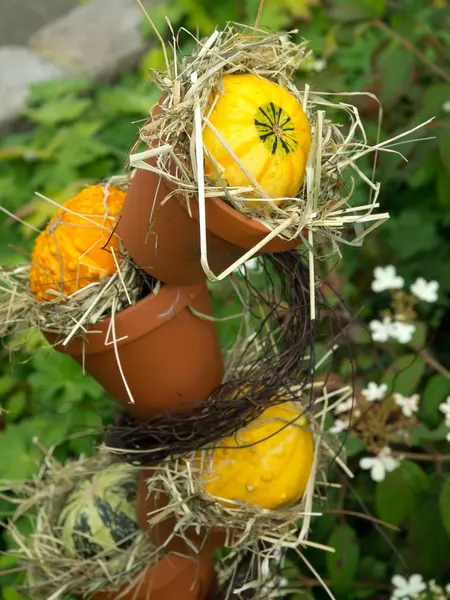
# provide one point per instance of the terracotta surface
(171, 359)
(170, 249)
(162, 531)
(172, 578)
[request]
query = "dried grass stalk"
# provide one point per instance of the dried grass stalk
(273, 363)
(70, 315)
(323, 207)
(264, 533)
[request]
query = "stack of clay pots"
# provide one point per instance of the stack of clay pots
(165, 357)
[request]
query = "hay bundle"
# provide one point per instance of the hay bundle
(52, 569)
(173, 134)
(25, 304)
(248, 528)
(272, 361)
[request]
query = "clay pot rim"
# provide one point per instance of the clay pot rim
(152, 312)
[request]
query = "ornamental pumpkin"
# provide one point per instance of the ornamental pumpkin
(266, 128)
(100, 513)
(266, 464)
(75, 248)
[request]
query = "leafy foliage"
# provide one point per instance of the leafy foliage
(78, 131)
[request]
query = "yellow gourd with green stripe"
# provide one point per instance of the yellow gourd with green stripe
(100, 513)
(266, 128)
(266, 464)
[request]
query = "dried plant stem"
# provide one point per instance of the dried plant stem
(421, 457)
(311, 582)
(434, 363)
(415, 51)
(354, 513)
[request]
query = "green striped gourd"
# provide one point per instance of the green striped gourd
(100, 513)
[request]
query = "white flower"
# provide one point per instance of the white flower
(409, 405)
(425, 290)
(374, 392)
(387, 328)
(446, 106)
(339, 426)
(250, 265)
(381, 330)
(402, 332)
(444, 407)
(343, 407)
(380, 464)
(404, 588)
(386, 278)
(318, 65)
(447, 587)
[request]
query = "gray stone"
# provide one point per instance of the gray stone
(20, 67)
(99, 39)
(21, 18)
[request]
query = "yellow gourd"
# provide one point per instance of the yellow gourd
(268, 473)
(74, 250)
(266, 128)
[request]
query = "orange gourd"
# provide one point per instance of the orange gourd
(75, 248)
(266, 128)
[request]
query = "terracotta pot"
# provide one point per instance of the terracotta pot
(160, 532)
(169, 249)
(172, 578)
(170, 358)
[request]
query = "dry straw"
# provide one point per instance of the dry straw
(240, 568)
(51, 572)
(272, 360)
(69, 316)
(173, 135)
(262, 532)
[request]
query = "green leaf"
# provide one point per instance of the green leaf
(7, 383)
(10, 593)
(405, 374)
(432, 102)
(360, 334)
(19, 455)
(377, 6)
(444, 504)
(406, 482)
(412, 233)
(436, 391)
(372, 569)
(444, 148)
(59, 381)
(61, 111)
(123, 101)
(15, 405)
(49, 91)
(353, 10)
(419, 336)
(342, 564)
(353, 445)
(396, 67)
(420, 434)
(442, 187)
(429, 541)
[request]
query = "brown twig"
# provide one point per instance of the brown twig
(376, 585)
(411, 48)
(354, 513)
(420, 457)
(434, 363)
